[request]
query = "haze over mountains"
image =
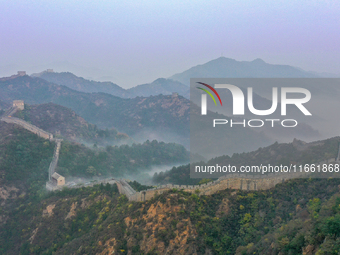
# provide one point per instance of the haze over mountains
(163, 117)
(141, 112)
(218, 68)
(160, 116)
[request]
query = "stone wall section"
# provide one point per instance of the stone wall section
(232, 181)
(29, 127)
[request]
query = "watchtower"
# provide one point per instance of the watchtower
(57, 179)
(21, 73)
(19, 104)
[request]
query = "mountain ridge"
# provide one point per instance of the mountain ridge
(156, 116)
(159, 86)
(223, 67)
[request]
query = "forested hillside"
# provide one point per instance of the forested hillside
(80, 161)
(24, 160)
(294, 217)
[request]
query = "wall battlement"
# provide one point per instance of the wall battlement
(238, 181)
(211, 187)
(28, 126)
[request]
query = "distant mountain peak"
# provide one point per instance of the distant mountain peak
(223, 59)
(160, 80)
(259, 60)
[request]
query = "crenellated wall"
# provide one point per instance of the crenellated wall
(232, 181)
(55, 159)
(211, 187)
(28, 126)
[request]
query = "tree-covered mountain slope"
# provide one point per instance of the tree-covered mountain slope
(80, 161)
(295, 217)
(25, 159)
(24, 155)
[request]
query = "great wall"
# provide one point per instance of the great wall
(8, 118)
(29, 127)
(232, 181)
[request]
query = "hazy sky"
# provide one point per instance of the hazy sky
(135, 42)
